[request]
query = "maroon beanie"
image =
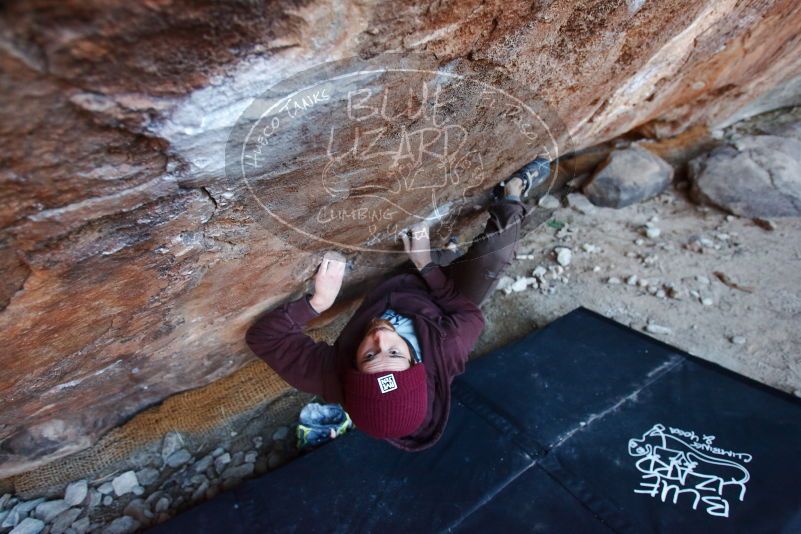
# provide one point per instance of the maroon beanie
(391, 404)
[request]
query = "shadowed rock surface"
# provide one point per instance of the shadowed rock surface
(757, 176)
(131, 264)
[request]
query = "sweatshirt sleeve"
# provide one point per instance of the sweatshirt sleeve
(463, 320)
(277, 338)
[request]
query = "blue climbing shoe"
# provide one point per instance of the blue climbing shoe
(320, 423)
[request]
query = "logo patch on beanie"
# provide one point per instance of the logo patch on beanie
(387, 383)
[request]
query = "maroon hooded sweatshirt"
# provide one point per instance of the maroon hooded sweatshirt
(447, 325)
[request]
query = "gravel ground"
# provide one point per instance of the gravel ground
(752, 328)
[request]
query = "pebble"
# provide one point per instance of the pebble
(81, 525)
(221, 461)
(125, 483)
(596, 269)
(580, 203)
(642, 282)
(251, 456)
(632, 280)
(539, 271)
(564, 256)
(178, 458)
(162, 505)
(280, 433)
(94, 498)
(660, 293)
(29, 525)
(5, 499)
(549, 202)
(138, 510)
(519, 285)
(218, 452)
(107, 500)
(64, 521)
(76, 492)
(204, 463)
(504, 283)
(200, 492)
(674, 293)
(172, 442)
(258, 441)
(613, 280)
(639, 242)
(122, 525)
(26, 506)
(702, 280)
(105, 488)
(706, 301)
(589, 248)
(11, 519)
(653, 328)
(240, 471)
(652, 232)
(47, 511)
(738, 340)
(274, 460)
(147, 476)
(237, 457)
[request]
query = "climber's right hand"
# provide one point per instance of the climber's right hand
(328, 281)
(418, 246)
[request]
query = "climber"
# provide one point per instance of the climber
(392, 365)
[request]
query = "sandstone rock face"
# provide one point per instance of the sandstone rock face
(628, 176)
(758, 176)
(131, 260)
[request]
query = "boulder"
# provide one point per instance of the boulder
(125, 240)
(628, 176)
(755, 176)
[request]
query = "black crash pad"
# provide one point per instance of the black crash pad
(584, 425)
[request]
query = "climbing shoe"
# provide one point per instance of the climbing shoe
(532, 174)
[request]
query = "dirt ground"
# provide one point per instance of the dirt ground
(753, 329)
